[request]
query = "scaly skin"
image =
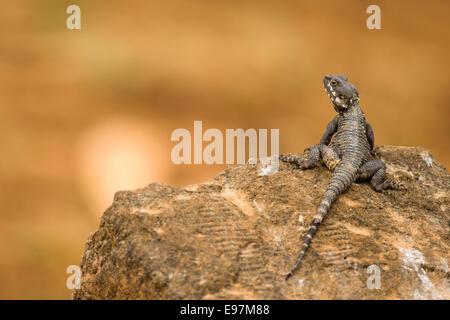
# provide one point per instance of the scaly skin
(346, 149)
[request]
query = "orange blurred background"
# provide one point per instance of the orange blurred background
(85, 113)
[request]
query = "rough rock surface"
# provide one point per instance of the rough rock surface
(237, 235)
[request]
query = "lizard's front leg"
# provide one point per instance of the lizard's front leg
(318, 152)
(370, 136)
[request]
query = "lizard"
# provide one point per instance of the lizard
(346, 148)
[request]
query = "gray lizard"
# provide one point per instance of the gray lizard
(345, 149)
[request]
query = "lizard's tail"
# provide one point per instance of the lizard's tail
(341, 179)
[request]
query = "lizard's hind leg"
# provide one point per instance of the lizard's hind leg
(375, 170)
(320, 151)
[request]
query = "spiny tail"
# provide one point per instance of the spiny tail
(342, 178)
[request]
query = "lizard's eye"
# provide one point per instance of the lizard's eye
(341, 96)
(333, 82)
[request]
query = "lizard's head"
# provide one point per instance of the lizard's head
(341, 92)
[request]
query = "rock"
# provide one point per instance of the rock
(237, 236)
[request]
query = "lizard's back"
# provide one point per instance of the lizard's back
(350, 141)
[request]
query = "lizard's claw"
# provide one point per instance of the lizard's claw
(284, 157)
(374, 151)
(305, 164)
(396, 185)
(296, 160)
(390, 185)
(289, 158)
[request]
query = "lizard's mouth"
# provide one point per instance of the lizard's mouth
(340, 102)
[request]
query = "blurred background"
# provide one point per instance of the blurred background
(85, 113)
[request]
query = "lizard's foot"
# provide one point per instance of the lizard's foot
(396, 185)
(290, 158)
(298, 161)
(389, 185)
(286, 157)
(374, 151)
(307, 164)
